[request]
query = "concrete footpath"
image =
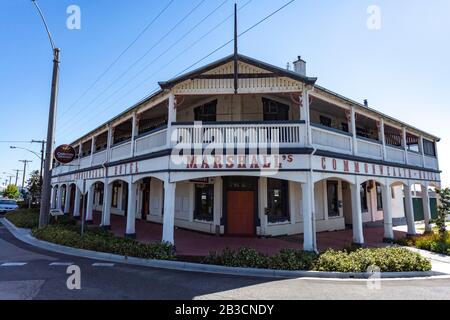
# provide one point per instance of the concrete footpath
(441, 264)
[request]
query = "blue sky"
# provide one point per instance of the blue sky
(402, 69)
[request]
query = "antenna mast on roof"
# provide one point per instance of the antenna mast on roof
(236, 70)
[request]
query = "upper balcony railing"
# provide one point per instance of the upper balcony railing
(251, 134)
(244, 134)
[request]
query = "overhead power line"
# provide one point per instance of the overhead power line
(120, 55)
(15, 141)
(176, 42)
(215, 50)
(145, 54)
(71, 124)
(240, 34)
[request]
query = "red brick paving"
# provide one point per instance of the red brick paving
(191, 243)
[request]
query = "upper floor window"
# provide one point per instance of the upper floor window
(277, 201)
(325, 121)
(412, 142)
(86, 149)
(275, 111)
(77, 152)
(429, 148)
(147, 125)
(101, 142)
(328, 115)
(123, 132)
(206, 112)
(366, 127)
(393, 136)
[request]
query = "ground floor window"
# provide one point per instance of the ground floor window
(379, 197)
(204, 202)
(115, 195)
(363, 191)
(333, 199)
(100, 198)
(277, 201)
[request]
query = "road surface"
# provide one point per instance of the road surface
(30, 273)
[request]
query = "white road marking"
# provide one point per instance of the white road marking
(13, 264)
(107, 265)
(60, 264)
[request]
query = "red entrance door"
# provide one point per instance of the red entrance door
(240, 213)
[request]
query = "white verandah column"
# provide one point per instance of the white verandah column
(169, 212)
(76, 205)
(409, 210)
(387, 213)
(358, 234)
(307, 211)
(107, 199)
(131, 211)
(90, 205)
(217, 203)
(52, 198)
(426, 208)
(67, 199)
(59, 198)
(171, 117)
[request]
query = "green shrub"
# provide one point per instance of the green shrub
(359, 260)
(103, 241)
(439, 243)
(63, 220)
(244, 257)
(24, 218)
(387, 259)
(289, 259)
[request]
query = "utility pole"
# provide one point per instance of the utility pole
(25, 162)
(46, 185)
(235, 57)
(42, 157)
(10, 178)
(17, 175)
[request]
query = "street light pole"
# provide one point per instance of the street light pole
(40, 157)
(46, 185)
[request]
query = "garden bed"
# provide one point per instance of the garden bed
(430, 242)
(356, 260)
(96, 239)
(24, 218)
(389, 259)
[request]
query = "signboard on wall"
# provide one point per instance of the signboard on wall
(65, 154)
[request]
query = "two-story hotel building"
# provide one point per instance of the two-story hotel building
(280, 155)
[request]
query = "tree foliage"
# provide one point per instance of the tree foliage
(34, 185)
(11, 192)
(443, 210)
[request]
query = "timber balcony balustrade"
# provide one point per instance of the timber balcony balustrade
(250, 134)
